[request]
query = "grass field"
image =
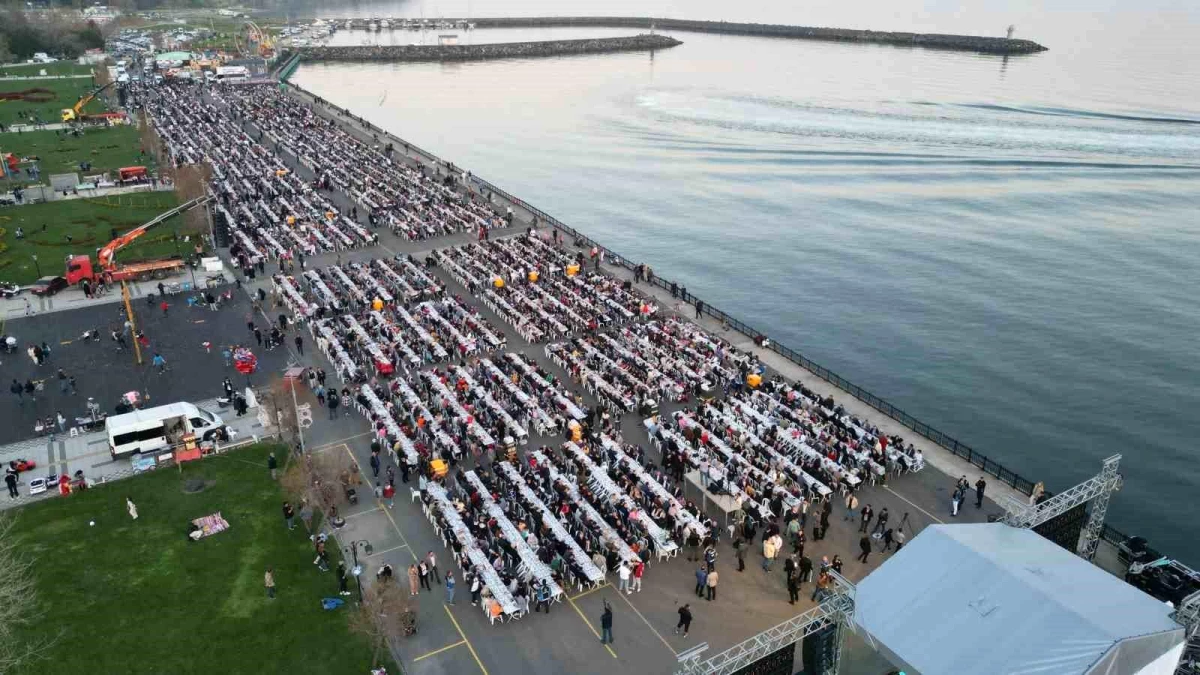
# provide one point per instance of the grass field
(133, 597)
(64, 94)
(35, 69)
(107, 148)
(89, 222)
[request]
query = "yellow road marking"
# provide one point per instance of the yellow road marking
(384, 509)
(439, 651)
(588, 592)
(647, 622)
(464, 639)
(590, 626)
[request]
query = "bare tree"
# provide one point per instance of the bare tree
(19, 606)
(383, 615)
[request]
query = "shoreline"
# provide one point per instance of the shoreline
(968, 43)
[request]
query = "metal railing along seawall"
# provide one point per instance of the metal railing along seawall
(980, 460)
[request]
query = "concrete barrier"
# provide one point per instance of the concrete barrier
(506, 50)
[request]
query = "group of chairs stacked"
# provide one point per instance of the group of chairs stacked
(542, 292)
(270, 212)
(412, 203)
(644, 363)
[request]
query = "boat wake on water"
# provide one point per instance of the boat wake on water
(983, 134)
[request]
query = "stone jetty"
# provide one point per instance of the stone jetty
(504, 50)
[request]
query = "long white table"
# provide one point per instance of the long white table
(529, 560)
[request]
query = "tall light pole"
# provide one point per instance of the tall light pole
(37, 268)
(357, 570)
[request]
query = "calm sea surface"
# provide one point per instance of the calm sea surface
(1005, 248)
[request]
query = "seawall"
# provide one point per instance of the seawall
(487, 51)
(969, 43)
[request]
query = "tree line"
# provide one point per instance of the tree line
(22, 35)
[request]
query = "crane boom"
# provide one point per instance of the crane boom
(89, 98)
(106, 254)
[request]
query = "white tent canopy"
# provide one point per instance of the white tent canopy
(990, 598)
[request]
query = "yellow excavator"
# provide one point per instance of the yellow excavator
(76, 113)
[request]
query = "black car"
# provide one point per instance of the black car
(48, 285)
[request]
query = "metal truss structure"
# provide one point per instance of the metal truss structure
(1097, 489)
(1188, 616)
(835, 609)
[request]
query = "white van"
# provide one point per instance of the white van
(159, 429)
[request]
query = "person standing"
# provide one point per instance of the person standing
(17, 391)
(980, 486)
(543, 598)
(389, 493)
(375, 460)
(793, 587)
(888, 539)
(476, 590)
(606, 617)
(712, 585)
(131, 508)
(269, 579)
(881, 522)
(639, 568)
(289, 515)
(413, 578)
(710, 557)
(739, 550)
(806, 569)
(899, 538)
(159, 362)
(332, 400)
(423, 574)
(449, 587)
(10, 479)
(341, 577)
(623, 576)
(867, 514)
(864, 546)
(273, 465)
(956, 500)
(769, 551)
(685, 620)
(300, 344)
(431, 559)
(701, 581)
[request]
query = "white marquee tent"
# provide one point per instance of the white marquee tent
(990, 598)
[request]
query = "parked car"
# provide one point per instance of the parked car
(48, 285)
(9, 290)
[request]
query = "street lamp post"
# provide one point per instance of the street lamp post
(37, 268)
(357, 570)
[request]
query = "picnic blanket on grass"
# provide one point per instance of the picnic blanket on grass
(212, 524)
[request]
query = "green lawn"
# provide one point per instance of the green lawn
(35, 69)
(107, 148)
(63, 94)
(89, 222)
(133, 597)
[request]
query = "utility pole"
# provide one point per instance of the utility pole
(137, 347)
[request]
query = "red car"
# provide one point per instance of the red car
(48, 285)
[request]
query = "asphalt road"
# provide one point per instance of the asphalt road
(105, 373)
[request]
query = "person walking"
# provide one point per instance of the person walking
(159, 362)
(685, 620)
(389, 493)
(543, 598)
(449, 587)
(413, 578)
(823, 583)
(164, 307)
(273, 465)
(980, 486)
(61, 421)
(793, 587)
(131, 508)
(300, 344)
(806, 569)
(341, 578)
(289, 515)
(332, 400)
(712, 585)
(18, 390)
(374, 461)
(769, 551)
(867, 514)
(739, 550)
(701, 581)
(888, 539)
(864, 546)
(606, 617)
(710, 557)
(639, 568)
(269, 579)
(956, 500)
(431, 560)
(899, 539)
